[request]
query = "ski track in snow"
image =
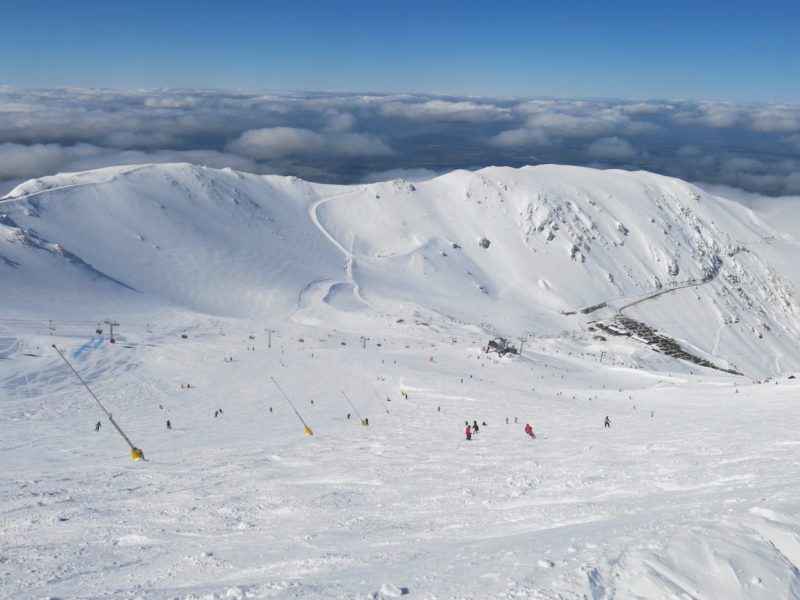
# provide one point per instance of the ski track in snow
(349, 257)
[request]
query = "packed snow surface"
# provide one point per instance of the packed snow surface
(227, 285)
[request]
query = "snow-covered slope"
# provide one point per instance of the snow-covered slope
(510, 249)
(225, 284)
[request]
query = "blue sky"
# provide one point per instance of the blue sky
(733, 51)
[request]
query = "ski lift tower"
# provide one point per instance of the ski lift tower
(522, 340)
(111, 324)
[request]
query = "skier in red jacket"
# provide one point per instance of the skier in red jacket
(529, 430)
(468, 431)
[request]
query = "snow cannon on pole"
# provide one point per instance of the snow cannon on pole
(306, 429)
(386, 408)
(136, 453)
(363, 423)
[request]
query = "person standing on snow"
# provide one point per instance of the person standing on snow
(468, 432)
(169, 425)
(607, 423)
(529, 430)
(97, 426)
(475, 426)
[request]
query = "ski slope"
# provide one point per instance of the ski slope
(692, 492)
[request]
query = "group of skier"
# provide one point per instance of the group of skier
(471, 429)
(474, 428)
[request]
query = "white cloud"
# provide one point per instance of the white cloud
(710, 115)
(356, 144)
(772, 183)
(645, 108)
(581, 119)
(567, 125)
(642, 128)
(520, 138)
(299, 133)
(776, 119)
(174, 102)
(281, 142)
(445, 110)
(340, 122)
(277, 142)
(18, 161)
(610, 148)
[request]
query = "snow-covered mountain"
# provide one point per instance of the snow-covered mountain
(512, 250)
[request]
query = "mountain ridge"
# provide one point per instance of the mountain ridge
(511, 250)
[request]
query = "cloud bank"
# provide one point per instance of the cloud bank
(357, 137)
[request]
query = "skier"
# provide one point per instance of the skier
(475, 426)
(216, 414)
(97, 426)
(270, 409)
(220, 411)
(348, 416)
(468, 431)
(169, 425)
(607, 423)
(529, 430)
(366, 421)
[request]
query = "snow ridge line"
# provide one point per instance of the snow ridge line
(8, 198)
